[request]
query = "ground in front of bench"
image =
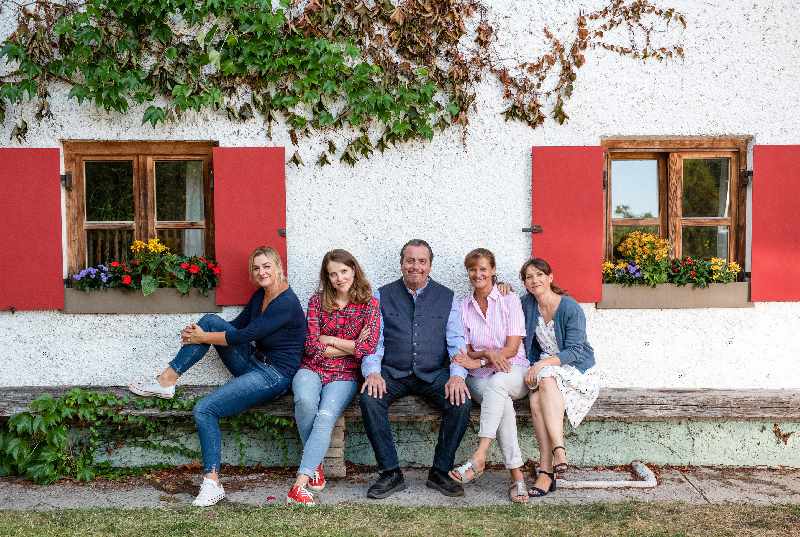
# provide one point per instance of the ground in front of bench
(694, 486)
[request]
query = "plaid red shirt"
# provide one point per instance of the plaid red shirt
(345, 323)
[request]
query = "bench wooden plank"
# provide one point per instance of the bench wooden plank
(620, 404)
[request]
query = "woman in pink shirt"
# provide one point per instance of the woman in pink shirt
(494, 326)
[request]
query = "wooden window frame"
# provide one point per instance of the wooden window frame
(143, 156)
(670, 152)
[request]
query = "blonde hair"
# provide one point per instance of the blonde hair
(360, 291)
(273, 256)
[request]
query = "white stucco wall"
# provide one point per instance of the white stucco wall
(741, 75)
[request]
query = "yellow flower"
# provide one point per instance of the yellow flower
(734, 267)
(607, 267)
(138, 246)
(621, 264)
(155, 246)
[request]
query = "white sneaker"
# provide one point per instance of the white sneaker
(151, 388)
(210, 493)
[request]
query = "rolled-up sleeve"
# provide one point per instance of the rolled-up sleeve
(371, 363)
(373, 322)
(454, 333)
(313, 348)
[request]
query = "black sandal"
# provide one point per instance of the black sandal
(536, 492)
(561, 467)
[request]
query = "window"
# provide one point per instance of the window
(124, 191)
(689, 190)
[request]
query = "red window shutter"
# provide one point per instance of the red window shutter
(567, 192)
(775, 252)
(31, 264)
(249, 211)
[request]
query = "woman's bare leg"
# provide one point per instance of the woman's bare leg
(168, 377)
(552, 403)
(542, 438)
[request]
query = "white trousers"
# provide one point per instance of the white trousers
(496, 395)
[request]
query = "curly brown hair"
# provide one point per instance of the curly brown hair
(360, 292)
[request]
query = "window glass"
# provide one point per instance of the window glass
(104, 245)
(621, 231)
(109, 190)
(179, 190)
(705, 187)
(705, 242)
(634, 189)
(183, 241)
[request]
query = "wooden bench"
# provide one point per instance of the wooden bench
(614, 404)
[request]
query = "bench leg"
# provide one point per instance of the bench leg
(334, 458)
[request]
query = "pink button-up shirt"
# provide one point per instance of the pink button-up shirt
(503, 318)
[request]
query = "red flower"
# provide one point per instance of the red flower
(184, 266)
(202, 259)
(693, 274)
(675, 270)
(217, 271)
(126, 279)
(194, 269)
(115, 264)
(210, 265)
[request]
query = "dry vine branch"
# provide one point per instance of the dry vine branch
(380, 72)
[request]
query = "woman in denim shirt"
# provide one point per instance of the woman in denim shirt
(561, 377)
(261, 348)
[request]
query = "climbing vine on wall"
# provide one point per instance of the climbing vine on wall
(61, 437)
(374, 73)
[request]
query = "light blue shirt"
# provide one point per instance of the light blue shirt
(454, 334)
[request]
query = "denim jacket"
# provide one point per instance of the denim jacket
(570, 328)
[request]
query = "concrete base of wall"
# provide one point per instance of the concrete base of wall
(598, 443)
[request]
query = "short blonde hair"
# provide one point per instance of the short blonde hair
(272, 255)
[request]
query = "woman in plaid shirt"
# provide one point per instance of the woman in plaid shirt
(343, 326)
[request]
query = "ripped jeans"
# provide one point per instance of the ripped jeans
(316, 409)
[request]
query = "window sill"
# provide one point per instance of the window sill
(670, 296)
(164, 300)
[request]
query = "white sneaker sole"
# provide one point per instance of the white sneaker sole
(208, 503)
(290, 501)
(144, 393)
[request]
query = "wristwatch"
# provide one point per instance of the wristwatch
(483, 362)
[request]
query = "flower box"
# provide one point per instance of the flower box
(671, 296)
(163, 300)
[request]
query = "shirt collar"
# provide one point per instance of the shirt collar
(419, 291)
(494, 295)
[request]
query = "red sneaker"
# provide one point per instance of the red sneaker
(300, 495)
(317, 481)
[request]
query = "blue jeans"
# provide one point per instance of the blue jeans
(254, 382)
(316, 409)
(375, 412)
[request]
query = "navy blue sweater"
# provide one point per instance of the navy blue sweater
(570, 328)
(279, 331)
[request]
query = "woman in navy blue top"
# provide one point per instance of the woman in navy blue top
(261, 348)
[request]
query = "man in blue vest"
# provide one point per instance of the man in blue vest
(420, 333)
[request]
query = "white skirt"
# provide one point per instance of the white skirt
(579, 390)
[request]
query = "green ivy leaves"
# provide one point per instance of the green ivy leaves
(59, 437)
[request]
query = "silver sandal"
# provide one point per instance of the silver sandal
(459, 473)
(518, 492)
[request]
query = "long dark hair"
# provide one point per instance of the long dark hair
(544, 266)
(360, 292)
